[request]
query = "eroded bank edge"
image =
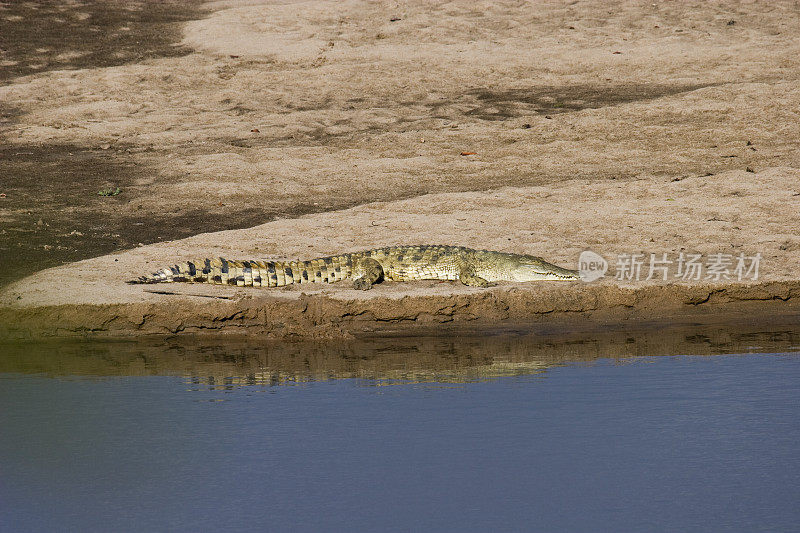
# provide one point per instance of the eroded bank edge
(506, 309)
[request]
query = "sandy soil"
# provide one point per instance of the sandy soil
(617, 127)
(748, 213)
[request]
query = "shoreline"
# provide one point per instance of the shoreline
(402, 311)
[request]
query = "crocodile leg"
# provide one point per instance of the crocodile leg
(470, 278)
(367, 273)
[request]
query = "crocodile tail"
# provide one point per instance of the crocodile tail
(222, 271)
(195, 271)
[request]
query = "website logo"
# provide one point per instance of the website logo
(591, 266)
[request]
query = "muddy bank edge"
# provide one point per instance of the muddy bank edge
(547, 309)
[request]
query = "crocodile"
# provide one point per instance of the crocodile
(476, 268)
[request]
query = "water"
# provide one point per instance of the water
(490, 434)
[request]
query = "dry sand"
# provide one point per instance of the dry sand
(617, 127)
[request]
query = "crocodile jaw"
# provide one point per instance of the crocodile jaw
(536, 271)
(543, 273)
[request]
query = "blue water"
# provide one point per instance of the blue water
(674, 443)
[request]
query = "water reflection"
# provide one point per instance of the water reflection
(613, 442)
(227, 363)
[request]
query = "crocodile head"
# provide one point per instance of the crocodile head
(514, 267)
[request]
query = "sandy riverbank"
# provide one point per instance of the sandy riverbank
(618, 128)
(748, 212)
